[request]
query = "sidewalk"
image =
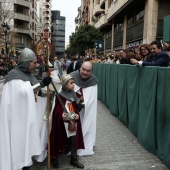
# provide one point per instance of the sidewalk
(116, 148)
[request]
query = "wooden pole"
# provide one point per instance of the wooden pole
(48, 124)
(48, 112)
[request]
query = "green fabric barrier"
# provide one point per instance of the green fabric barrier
(133, 97)
(101, 78)
(108, 76)
(146, 118)
(112, 91)
(163, 115)
(140, 98)
(122, 93)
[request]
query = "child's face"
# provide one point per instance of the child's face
(70, 85)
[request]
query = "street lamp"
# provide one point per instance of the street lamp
(6, 29)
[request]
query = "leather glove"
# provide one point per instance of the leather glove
(46, 81)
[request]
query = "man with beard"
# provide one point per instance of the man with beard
(19, 125)
(158, 57)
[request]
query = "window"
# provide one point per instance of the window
(118, 28)
(140, 16)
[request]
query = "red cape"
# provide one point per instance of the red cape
(58, 136)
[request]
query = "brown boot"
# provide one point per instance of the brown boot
(74, 162)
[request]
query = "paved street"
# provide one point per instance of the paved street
(116, 148)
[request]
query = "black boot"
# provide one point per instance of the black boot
(26, 168)
(55, 163)
(74, 162)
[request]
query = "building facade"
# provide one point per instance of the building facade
(25, 23)
(129, 23)
(22, 20)
(58, 32)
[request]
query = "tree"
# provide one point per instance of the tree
(83, 39)
(7, 13)
(6, 16)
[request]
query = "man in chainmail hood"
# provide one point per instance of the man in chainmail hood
(19, 123)
(86, 88)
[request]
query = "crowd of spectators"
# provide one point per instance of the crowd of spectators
(142, 55)
(156, 53)
(7, 63)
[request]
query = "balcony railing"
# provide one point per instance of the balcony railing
(22, 2)
(21, 29)
(100, 21)
(97, 10)
(23, 16)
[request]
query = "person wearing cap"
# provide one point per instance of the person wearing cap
(66, 127)
(19, 130)
(86, 87)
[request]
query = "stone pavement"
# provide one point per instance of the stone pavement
(116, 148)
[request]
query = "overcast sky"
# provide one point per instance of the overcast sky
(68, 9)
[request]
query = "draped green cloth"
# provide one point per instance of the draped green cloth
(140, 98)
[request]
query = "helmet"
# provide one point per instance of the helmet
(26, 55)
(65, 79)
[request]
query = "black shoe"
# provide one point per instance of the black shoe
(26, 168)
(74, 162)
(55, 163)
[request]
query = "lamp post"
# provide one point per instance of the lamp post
(6, 29)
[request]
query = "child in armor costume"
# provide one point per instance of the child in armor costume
(66, 127)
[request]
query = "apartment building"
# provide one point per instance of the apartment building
(21, 16)
(24, 23)
(78, 19)
(128, 23)
(40, 25)
(58, 32)
(47, 17)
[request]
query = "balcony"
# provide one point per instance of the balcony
(117, 6)
(102, 4)
(97, 10)
(47, 10)
(25, 3)
(47, 15)
(23, 16)
(102, 21)
(21, 29)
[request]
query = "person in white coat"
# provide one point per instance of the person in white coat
(86, 88)
(20, 135)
